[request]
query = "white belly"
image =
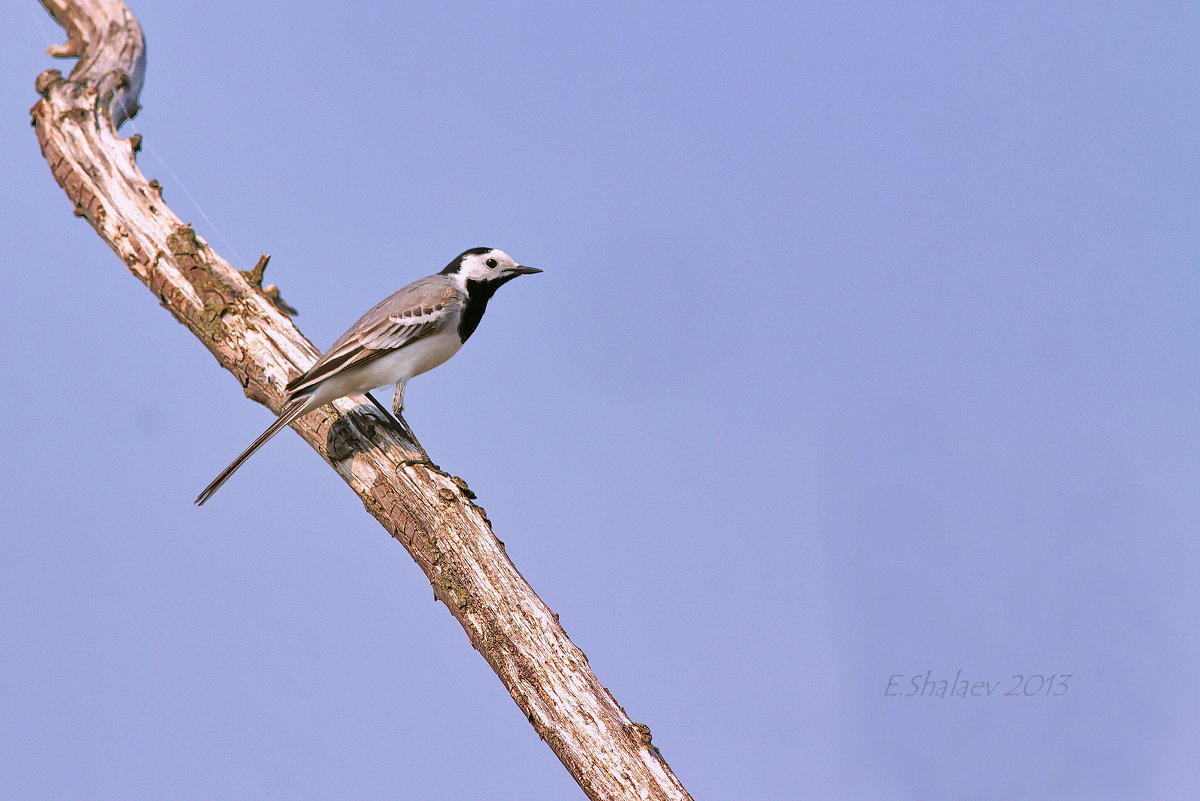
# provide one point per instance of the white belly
(406, 362)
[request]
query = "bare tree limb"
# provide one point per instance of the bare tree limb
(244, 326)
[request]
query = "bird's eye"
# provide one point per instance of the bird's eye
(491, 263)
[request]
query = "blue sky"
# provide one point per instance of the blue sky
(865, 348)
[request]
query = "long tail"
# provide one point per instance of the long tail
(290, 412)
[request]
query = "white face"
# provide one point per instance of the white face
(490, 266)
(485, 267)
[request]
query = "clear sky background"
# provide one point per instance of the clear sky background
(866, 347)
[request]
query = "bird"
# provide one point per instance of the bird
(408, 333)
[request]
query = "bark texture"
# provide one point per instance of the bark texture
(430, 512)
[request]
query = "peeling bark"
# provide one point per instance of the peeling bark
(247, 329)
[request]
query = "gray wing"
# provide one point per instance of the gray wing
(405, 316)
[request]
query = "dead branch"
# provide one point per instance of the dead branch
(430, 512)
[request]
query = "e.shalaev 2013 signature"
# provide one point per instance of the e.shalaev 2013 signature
(1020, 685)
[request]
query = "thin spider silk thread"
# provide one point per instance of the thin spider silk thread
(38, 18)
(191, 198)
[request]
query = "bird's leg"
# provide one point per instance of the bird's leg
(396, 417)
(397, 421)
(398, 399)
(398, 410)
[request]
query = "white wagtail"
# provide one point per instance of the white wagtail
(411, 331)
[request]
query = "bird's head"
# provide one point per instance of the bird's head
(486, 266)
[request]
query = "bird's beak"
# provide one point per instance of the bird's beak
(523, 270)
